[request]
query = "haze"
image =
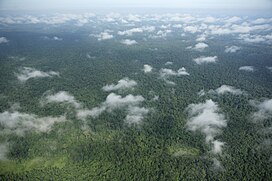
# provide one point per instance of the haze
(90, 4)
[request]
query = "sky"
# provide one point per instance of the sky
(92, 4)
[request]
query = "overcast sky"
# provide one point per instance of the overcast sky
(85, 4)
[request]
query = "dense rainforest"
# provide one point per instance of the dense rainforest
(135, 97)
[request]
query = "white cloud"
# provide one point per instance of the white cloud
(217, 147)
(79, 19)
(243, 28)
(54, 38)
(232, 49)
(134, 17)
(147, 68)
(261, 21)
(217, 164)
(233, 19)
(128, 42)
(269, 68)
(169, 63)
(130, 32)
(206, 118)
(166, 73)
(123, 84)
(177, 26)
(247, 68)
(130, 103)
(3, 151)
(201, 37)
(20, 123)
(252, 38)
(161, 34)
(103, 36)
(61, 97)
(209, 19)
(201, 60)
(229, 89)
(200, 46)
(17, 58)
(28, 73)
(169, 72)
(191, 29)
(264, 109)
(3, 40)
(201, 93)
(135, 115)
(57, 38)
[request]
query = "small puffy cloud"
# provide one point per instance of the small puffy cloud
(59, 18)
(130, 103)
(201, 60)
(253, 38)
(228, 89)
(128, 42)
(3, 151)
(130, 32)
(161, 34)
(200, 46)
(177, 26)
(247, 68)
(123, 84)
(3, 40)
(135, 114)
(261, 21)
(61, 97)
(233, 19)
(133, 17)
(217, 165)
(190, 29)
(201, 37)
(264, 109)
(201, 93)
(169, 72)
(206, 118)
(217, 147)
(269, 68)
(57, 38)
(54, 38)
(242, 29)
(209, 19)
(103, 36)
(232, 49)
(166, 73)
(169, 63)
(147, 68)
(20, 123)
(17, 58)
(28, 73)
